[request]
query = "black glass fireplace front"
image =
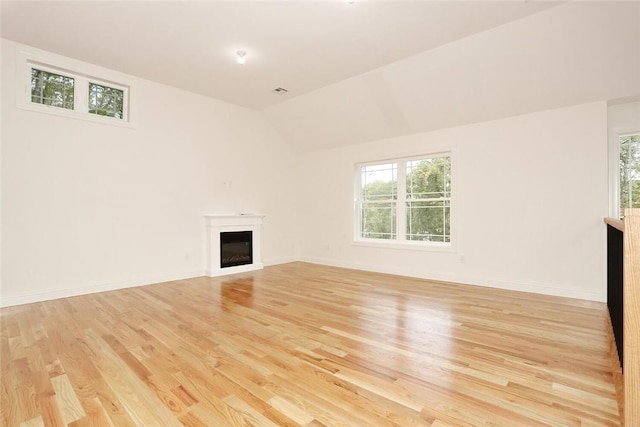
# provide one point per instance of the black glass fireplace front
(236, 248)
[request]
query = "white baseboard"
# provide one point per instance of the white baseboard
(533, 287)
(8, 301)
(539, 288)
(280, 260)
(84, 290)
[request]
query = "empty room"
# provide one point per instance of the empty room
(320, 213)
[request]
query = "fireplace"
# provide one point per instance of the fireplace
(233, 244)
(236, 248)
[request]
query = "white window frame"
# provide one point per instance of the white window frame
(80, 97)
(614, 167)
(401, 223)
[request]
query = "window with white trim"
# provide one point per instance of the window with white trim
(75, 95)
(405, 200)
(628, 171)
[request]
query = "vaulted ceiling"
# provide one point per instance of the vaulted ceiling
(354, 71)
(298, 45)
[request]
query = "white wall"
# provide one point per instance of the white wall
(530, 194)
(89, 206)
(624, 117)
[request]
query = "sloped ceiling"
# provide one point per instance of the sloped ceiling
(355, 72)
(571, 54)
(300, 45)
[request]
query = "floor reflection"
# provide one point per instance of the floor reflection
(237, 292)
(423, 329)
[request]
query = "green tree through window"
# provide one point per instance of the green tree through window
(629, 172)
(105, 101)
(75, 95)
(428, 199)
(407, 200)
(379, 196)
(52, 89)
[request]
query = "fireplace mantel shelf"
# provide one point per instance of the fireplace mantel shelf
(231, 220)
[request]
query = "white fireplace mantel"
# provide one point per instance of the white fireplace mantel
(217, 224)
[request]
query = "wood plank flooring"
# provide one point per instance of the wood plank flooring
(302, 344)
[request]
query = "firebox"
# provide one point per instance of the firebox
(236, 248)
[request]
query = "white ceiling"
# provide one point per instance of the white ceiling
(299, 45)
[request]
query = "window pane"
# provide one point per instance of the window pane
(629, 172)
(429, 221)
(106, 101)
(378, 220)
(52, 89)
(379, 182)
(429, 178)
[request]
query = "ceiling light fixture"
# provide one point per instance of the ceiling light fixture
(240, 59)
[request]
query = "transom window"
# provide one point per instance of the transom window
(75, 95)
(406, 200)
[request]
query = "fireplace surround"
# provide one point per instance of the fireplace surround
(235, 228)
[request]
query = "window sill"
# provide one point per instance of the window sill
(406, 245)
(71, 114)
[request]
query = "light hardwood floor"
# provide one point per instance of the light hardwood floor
(301, 344)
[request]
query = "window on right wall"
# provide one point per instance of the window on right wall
(629, 171)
